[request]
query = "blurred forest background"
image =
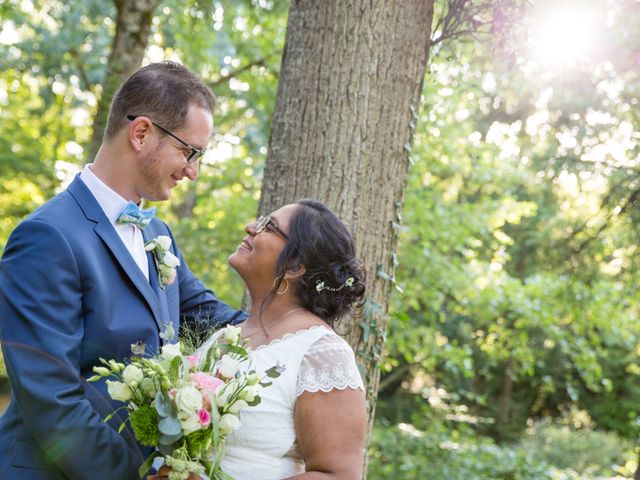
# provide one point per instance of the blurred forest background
(512, 349)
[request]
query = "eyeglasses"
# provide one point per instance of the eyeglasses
(194, 154)
(267, 222)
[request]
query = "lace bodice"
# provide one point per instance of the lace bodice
(264, 447)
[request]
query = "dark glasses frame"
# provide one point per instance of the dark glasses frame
(263, 222)
(195, 153)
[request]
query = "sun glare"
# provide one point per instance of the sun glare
(562, 38)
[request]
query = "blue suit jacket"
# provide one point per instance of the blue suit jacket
(71, 293)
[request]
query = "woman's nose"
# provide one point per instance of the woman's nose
(250, 229)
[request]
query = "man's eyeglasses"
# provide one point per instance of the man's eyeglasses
(194, 153)
(267, 222)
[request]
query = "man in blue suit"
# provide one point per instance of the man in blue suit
(76, 284)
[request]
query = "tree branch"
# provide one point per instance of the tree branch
(81, 71)
(225, 78)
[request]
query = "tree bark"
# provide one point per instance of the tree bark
(133, 24)
(504, 400)
(346, 108)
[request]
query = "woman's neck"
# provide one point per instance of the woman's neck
(271, 312)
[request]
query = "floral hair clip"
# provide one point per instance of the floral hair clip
(320, 286)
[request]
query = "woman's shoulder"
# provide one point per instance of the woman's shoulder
(328, 364)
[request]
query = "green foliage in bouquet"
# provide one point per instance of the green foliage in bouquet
(185, 403)
(144, 422)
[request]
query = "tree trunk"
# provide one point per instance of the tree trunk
(346, 108)
(503, 413)
(133, 24)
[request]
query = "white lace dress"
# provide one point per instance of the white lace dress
(264, 447)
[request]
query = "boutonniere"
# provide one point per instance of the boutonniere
(166, 262)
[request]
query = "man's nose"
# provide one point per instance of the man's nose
(191, 170)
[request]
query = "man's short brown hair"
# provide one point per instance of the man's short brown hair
(161, 91)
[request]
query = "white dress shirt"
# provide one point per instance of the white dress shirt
(112, 205)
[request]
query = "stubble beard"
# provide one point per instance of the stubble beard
(152, 182)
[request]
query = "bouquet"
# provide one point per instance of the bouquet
(186, 403)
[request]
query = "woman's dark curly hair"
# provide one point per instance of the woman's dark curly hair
(323, 245)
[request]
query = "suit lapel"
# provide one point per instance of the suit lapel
(109, 236)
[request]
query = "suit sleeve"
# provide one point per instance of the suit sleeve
(41, 327)
(198, 303)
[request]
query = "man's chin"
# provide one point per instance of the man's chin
(158, 196)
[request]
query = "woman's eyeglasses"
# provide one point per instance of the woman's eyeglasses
(267, 222)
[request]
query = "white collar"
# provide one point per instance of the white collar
(111, 202)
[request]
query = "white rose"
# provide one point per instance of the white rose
(228, 366)
(118, 391)
(170, 351)
(229, 423)
(237, 406)
(167, 275)
(132, 375)
(188, 399)
(148, 387)
(232, 334)
(189, 422)
(170, 260)
(164, 241)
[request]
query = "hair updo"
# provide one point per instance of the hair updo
(322, 244)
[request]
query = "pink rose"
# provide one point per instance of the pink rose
(172, 393)
(206, 382)
(204, 418)
(193, 360)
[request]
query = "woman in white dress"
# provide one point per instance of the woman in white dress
(300, 268)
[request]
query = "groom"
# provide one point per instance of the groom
(76, 283)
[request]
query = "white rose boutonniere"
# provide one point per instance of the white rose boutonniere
(166, 262)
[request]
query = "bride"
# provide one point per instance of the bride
(300, 268)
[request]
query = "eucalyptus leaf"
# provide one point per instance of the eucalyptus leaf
(163, 404)
(169, 439)
(169, 426)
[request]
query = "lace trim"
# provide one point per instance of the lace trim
(326, 389)
(286, 336)
(329, 364)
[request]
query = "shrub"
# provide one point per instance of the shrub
(404, 452)
(584, 452)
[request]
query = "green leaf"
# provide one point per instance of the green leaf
(167, 440)
(234, 349)
(169, 426)
(275, 371)
(174, 368)
(163, 404)
(148, 463)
